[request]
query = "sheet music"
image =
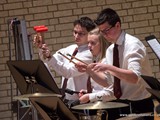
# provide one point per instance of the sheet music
(155, 46)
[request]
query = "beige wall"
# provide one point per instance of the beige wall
(139, 17)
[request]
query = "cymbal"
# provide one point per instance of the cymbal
(99, 105)
(26, 96)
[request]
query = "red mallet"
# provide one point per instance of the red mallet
(40, 30)
(40, 37)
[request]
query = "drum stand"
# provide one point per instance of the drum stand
(100, 115)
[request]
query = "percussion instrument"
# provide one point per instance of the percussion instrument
(40, 30)
(99, 105)
(96, 110)
(26, 96)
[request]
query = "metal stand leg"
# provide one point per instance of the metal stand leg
(34, 113)
(30, 109)
(25, 113)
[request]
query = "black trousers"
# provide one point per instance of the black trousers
(137, 107)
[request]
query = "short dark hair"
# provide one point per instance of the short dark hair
(107, 15)
(85, 22)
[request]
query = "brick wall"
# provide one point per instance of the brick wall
(139, 17)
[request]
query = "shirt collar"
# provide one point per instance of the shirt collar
(121, 38)
(82, 47)
(97, 58)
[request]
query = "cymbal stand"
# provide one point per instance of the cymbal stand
(24, 113)
(102, 115)
(32, 81)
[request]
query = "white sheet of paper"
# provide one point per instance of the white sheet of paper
(155, 46)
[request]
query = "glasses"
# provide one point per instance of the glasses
(79, 33)
(105, 31)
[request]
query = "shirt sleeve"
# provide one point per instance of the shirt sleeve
(137, 59)
(65, 68)
(103, 95)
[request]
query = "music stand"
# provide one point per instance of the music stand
(152, 82)
(154, 44)
(155, 93)
(51, 108)
(154, 85)
(32, 76)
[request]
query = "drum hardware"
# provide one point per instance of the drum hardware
(100, 115)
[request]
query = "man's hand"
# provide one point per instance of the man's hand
(81, 67)
(37, 41)
(45, 51)
(99, 67)
(84, 98)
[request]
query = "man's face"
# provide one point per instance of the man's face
(109, 32)
(80, 35)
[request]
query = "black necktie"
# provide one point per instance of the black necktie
(89, 86)
(74, 53)
(117, 87)
(66, 79)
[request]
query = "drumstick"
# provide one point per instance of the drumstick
(77, 59)
(66, 58)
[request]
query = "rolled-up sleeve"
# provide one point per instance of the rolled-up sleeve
(102, 95)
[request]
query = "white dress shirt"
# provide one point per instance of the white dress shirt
(65, 68)
(132, 56)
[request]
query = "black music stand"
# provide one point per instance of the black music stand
(52, 108)
(152, 82)
(32, 76)
(154, 92)
(154, 86)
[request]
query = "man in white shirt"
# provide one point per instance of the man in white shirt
(133, 62)
(75, 80)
